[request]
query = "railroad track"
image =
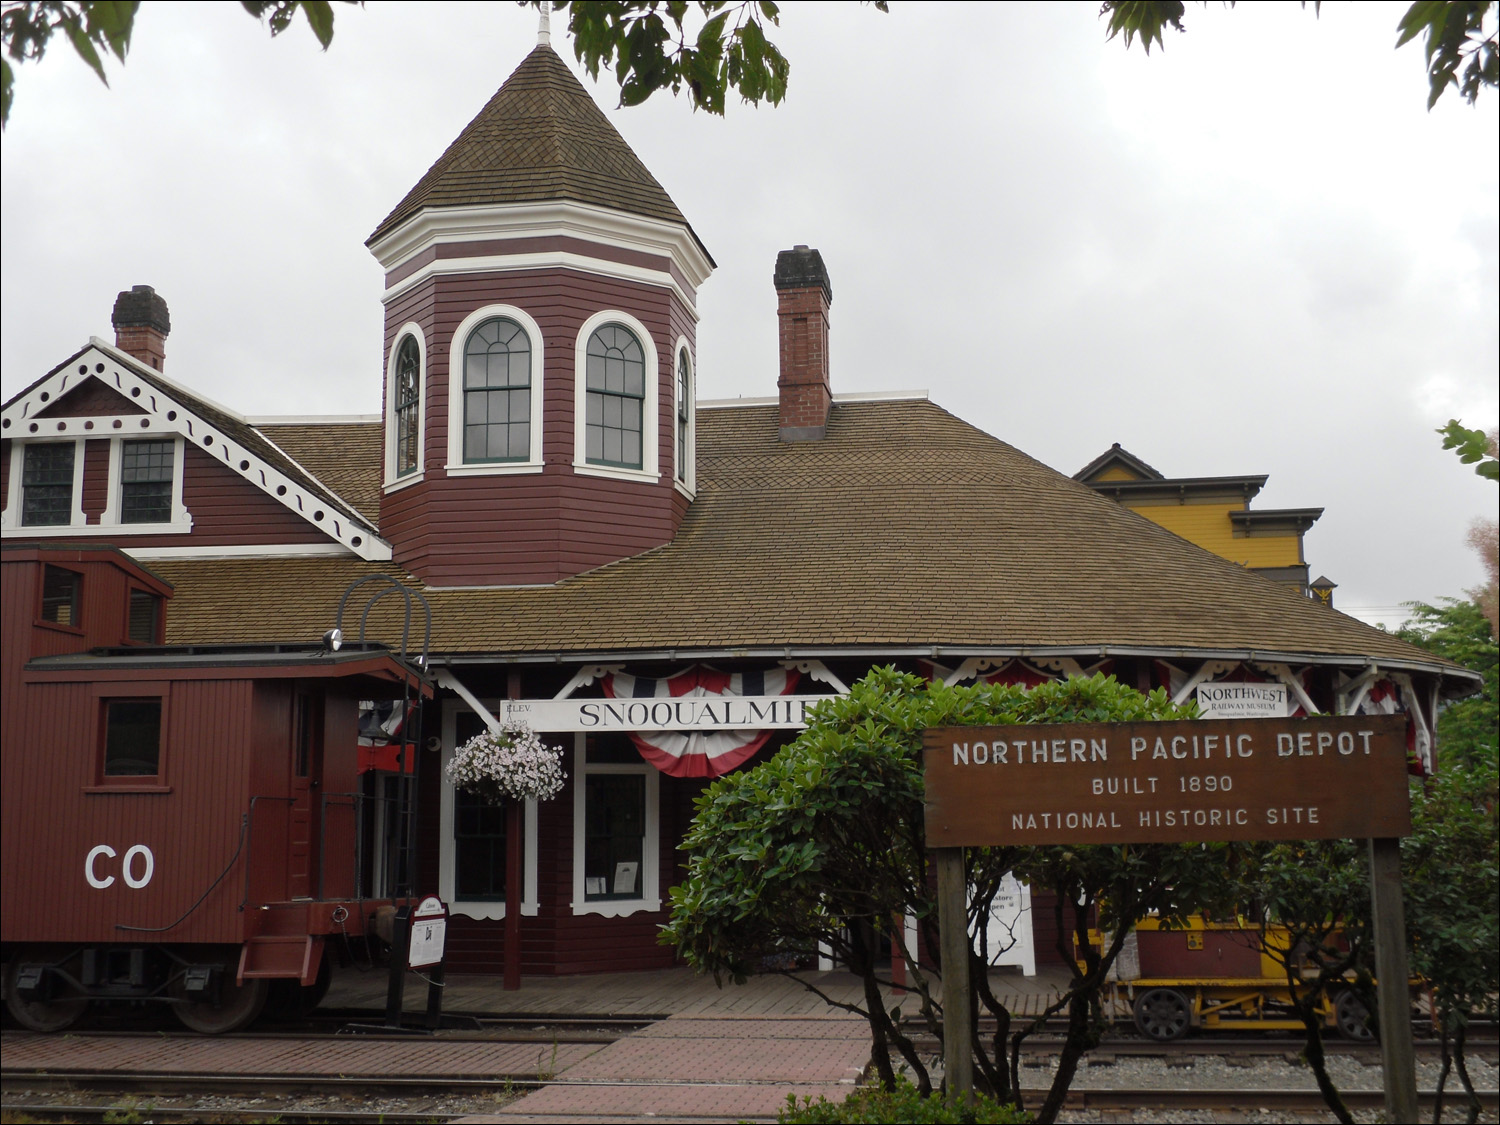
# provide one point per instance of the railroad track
(421, 1109)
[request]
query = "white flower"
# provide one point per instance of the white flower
(511, 763)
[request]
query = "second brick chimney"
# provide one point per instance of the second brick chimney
(141, 325)
(803, 295)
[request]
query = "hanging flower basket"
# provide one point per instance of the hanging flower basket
(509, 764)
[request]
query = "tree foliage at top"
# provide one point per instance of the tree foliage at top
(1459, 36)
(1460, 631)
(1473, 447)
(96, 28)
(824, 845)
(646, 43)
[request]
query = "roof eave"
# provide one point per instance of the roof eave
(940, 651)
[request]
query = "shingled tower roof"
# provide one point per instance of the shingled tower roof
(541, 137)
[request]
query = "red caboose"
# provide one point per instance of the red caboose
(181, 824)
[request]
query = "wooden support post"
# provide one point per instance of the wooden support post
(515, 812)
(1391, 972)
(953, 924)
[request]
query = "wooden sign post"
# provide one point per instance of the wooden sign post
(1174, 782)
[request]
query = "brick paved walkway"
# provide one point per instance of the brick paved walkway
(695, 1068)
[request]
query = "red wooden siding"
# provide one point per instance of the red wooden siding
(95, 478)
(55, 813)
(227, 511)
(541, 527)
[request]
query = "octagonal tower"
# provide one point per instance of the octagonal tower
(540, 313)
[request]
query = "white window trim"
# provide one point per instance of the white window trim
(482, 909)
(393, 481)
(650, 899)
(650, 422)
(687, 482)
(180, 523)
(10, 519)
(533, 462)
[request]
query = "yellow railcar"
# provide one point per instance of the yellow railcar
(1217, 975)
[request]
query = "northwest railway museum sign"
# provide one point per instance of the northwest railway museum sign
(1115, 783)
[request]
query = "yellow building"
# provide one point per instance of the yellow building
(1214, 513)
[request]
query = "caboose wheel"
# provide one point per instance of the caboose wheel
(238, 1005)
(1352, 1017)
(54, 1007)
(1163, 1014)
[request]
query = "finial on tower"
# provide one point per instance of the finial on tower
(544, 31)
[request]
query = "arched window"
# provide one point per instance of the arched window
(408, 404)
(497, 393)
(616, 386)
(684, 400)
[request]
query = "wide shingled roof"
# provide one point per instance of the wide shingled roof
(540, 138)
(904, 528)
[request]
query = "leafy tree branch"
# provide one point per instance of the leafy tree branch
(1459, 37)
(96, 28)
(707, 46)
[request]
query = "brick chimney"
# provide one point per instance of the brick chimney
(803, 295)
(141, 325)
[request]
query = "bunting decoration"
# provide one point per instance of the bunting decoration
(699, 753)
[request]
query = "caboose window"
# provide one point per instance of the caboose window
(132, 737)
(62, 592)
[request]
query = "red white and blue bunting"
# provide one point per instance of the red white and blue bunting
(710, 753)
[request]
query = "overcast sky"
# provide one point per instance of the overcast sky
(1255, 252)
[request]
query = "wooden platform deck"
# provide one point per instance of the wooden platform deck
(662, 993)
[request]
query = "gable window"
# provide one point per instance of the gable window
(408, 404)
(497, 393)
(616, 380)
(144, 621)
(146, 481)
(132, 737)
(684, 415)
(47, 484)
(62, 595)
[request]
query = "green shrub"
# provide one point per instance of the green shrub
(903, 1104)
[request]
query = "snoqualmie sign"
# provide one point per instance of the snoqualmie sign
(1116, 783)
(717, 712)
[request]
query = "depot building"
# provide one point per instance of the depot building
(659, 585)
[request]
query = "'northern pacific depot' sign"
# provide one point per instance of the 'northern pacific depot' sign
(1115, 783)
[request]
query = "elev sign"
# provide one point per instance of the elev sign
(1114, 783)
